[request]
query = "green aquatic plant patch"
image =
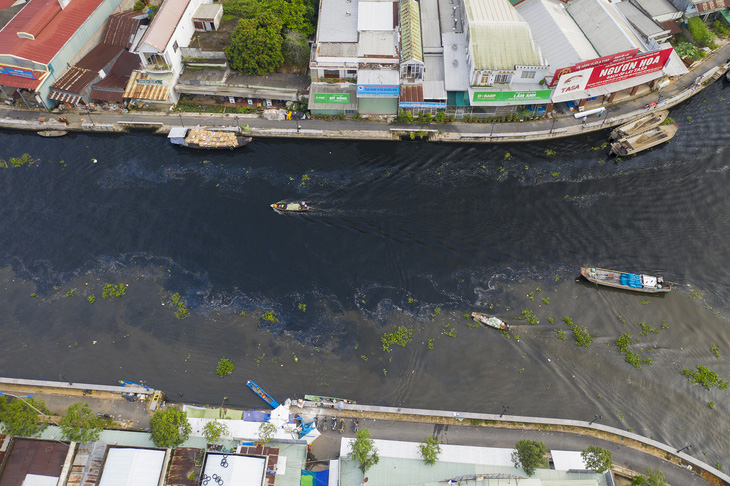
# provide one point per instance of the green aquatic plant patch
(705, 377)
(112, 291)
(401, 337)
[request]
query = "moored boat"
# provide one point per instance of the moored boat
(262, 394)
(296, 207)
(52, 133)
(489, 321)
(642, 141)
(208, 137)
(324, 399)
(642, 124)
(624, 280)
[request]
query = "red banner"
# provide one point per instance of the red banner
(599, 61)
(639, 65)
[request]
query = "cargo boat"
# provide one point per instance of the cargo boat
(642, 141)
(262, 394)
(642, 124)
(626, 281)
(211, 138)
(490, 321)
(323, 399)
(52, 133)
(296, 207)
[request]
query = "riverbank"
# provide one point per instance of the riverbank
(402, 423)
(554, 127)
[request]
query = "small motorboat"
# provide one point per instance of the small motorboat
(489, 321)
(296, 207)
(642, 124)
(624, 280)
(52, 133)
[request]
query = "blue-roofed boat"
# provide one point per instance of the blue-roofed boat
(624, 280)
(261, 393)
(133, 383)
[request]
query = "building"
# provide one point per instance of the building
(42, 40)
(123, 466)
(693, 8)
(160, 54)
(34, 461)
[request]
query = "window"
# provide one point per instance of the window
(175, 46)
(502, 78)
(528, 75)
(484, 79)
(155, 59)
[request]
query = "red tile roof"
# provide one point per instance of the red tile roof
(51, 26)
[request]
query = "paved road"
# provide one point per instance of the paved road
(328, 445)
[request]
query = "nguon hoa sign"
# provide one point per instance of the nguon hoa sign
(526, 96)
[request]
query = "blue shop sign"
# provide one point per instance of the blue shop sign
(16, 72)
(378, 90)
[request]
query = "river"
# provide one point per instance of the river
(406, 234)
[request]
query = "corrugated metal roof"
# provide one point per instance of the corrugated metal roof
(33, 456)
(433, 77)
(377, 44)
(500, 39)
(318, 88)
(61, 97)
(244, 470)
(410, 27)
(6, 4)
(672, 26)
(74, 80)
(657, 8)
(126, 466)
(411, 93)
(345, 49)
(606, 36)
(139, 91)
(99, 57)
(208, 11)
(337, 21)
(125, 64)
(430, 26)
(456, 73)
(120, 29)
(25, 83)
(559, 37)
(639, 20)
(103, 94)
(375, 16)
(163, 25)
(183, 463)
(59, 29)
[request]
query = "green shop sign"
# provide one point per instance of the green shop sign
(332, 97)
(482, 96)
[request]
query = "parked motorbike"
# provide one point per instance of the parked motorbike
(355, 425)
(342, 425)
(334, 423)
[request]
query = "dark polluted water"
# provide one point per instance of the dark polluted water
(409, 235)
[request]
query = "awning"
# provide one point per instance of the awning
(62, 97)
(257, 93)
(672, 26)
(23, 82)
(726, 13)
(107, 95)
(144, 86)
(607, 89)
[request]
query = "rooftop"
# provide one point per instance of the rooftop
(124, 466)
(337, 21)
(163, 25)
(376, 16)
(656, 8)
(33, 457)
(600, 27)
(638, 19)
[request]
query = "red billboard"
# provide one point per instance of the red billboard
(637, 66)
(599, 61)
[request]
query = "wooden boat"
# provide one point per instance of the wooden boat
(646, 122)
(262, 394)
(52, 133)
(208, 137)
(624, 280)
(642, 141)
(296, 207)
(489, 321)
(323, 399)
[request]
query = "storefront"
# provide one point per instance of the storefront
(377, 92)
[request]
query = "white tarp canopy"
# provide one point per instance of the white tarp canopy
(236, 470)
(128, 466)
(648, 281)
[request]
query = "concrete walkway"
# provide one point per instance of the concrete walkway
(556, 127)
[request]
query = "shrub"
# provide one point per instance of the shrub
(701, 33)
(430, 450)
(169, 428)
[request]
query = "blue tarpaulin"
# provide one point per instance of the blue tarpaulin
(311, 478)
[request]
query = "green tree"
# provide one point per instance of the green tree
(169, 428)
(214, 430)
(296, 51)
(701, 33)
(20, 416)
(296, 15)
(597, 459)
(363, 449)
(651, 477)
(80, 424)
(266, 432)
(256, 45)
(430, 450)
(529, 455)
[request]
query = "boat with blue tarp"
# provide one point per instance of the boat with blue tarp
(261, 393)
(133, 383)
(625, 280)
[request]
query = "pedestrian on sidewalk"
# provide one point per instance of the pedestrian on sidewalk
(585, 119)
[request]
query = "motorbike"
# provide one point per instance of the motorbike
(334, 423)
(342, 425)
(355, 425)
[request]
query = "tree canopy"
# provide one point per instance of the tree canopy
(256, 45)
(597, 459)
(363, 449)
(296, 15)
(80, 424)
(169, 428)
(214, 430)
(651, 477)
(20, 416)
(529, 455)
(430, 450)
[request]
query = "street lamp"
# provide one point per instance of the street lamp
(490, 133)
(688, 446)
(596, 418)
(606, 117)
(553, 125)
(504, 409)
(88, 112)
(220, 412)
(181, 120)
(22, 399)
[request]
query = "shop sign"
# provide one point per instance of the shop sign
(638, 66)
(157, 82)
(423, 104)
(599, 61)
(378, 90)
(332, 98)
(22, 73)
(526, 96)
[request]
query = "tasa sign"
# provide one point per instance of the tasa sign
(572, 82)
(638, 66)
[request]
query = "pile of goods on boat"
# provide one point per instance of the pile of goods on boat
(625, 280)
(208, 137)
(296, 207)
(489, 321)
